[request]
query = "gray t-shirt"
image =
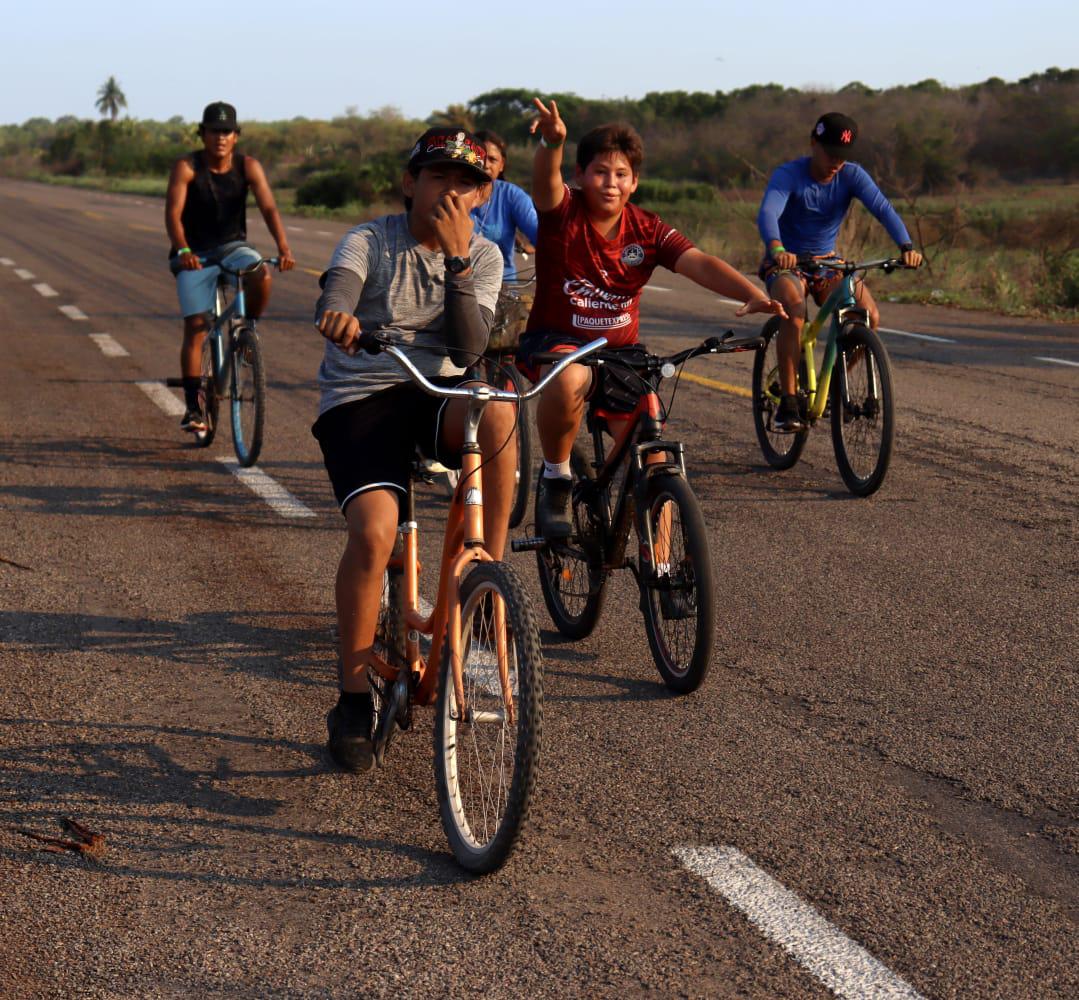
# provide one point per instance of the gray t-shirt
(403, 295)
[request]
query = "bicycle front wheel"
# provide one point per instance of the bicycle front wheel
(208, 401)
(248, 396)
(863, 410)
(678, 596)
(781, 451)
(485, 764)
(571, 575)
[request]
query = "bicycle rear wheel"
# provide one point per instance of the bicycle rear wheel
(863, 410)
(485, 765)
(781, 451)
(571, 574)
(679, 605)
(248, 396)
(208, 401)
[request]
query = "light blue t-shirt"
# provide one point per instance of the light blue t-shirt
(508, 209)
(805, 215)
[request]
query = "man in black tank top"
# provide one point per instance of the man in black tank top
(205, 215)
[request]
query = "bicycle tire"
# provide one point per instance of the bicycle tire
(483, 817)
(863, 410)
(248, 392)
(781, 451)
(681, 646)
(208, 401)
(574, 586)
(523, 484)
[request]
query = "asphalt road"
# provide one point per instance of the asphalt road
(887, 742)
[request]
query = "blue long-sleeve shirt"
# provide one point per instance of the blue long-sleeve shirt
(508, 209)
(805, 215)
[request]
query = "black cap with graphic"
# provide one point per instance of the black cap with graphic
(836, 132)
(450, 144)
(219, 115)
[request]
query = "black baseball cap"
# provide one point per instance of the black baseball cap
(450, 144)
(836, 133)
(221, 116)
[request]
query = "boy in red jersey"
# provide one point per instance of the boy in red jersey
(594, 254)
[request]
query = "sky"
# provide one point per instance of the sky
(317, 58)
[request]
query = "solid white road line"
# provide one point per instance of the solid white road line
(24, 274)
(73, 312)
(109, 347)
(7, 262)
(1057, 361)
(846, 968)
(295, 229)
(45, 291)
(172, 406)
(917, 336)
(268, 489)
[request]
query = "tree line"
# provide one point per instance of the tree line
(924, 138)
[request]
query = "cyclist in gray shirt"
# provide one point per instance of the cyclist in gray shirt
(425, 278)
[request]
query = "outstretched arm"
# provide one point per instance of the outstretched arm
(718, 276)
(547, 185)
(260, 187)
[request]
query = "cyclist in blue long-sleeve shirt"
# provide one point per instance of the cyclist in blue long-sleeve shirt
(508, 209)
(800, 215)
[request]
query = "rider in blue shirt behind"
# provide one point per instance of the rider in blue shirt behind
(507, 210)
(800, 215)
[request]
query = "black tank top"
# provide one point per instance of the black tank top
(215, 211)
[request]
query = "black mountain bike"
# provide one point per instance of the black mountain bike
(639, 482)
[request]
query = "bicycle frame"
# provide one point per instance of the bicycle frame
(841, 299)
(462, 544)
(218, 350)
(646, 422)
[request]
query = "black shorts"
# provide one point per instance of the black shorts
(371, 443)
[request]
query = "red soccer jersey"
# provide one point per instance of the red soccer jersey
(587, 286)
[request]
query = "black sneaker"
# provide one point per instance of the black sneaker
(193, 422)
(350, 723)
(788, 419)
(552, 508)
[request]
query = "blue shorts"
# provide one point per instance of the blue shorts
(196, 289)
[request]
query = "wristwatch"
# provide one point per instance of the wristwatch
(457, 265)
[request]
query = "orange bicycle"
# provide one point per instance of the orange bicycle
(488, 690)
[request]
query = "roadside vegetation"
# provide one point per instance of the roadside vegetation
(986, 176)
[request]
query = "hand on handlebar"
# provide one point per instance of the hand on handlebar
(285, 260)
(786, 261)
(911, 258)
(343, 329)
(190, 262)
(771, 306)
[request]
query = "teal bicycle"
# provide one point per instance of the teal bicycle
(232, 366)
(853, 384)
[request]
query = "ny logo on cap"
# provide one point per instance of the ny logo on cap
(846, 137)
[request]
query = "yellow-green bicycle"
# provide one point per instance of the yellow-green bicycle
(856, 392)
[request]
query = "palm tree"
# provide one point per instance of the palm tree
(110, 98)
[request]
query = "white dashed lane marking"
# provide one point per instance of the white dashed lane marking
(164, 399)
(45, 291)
(844, 967)
(1057, 361)
(268, 489)
(295, 229)
(322, 232)
(917, 336)
(24, 274)
(7, 262)
(73, 312)
(109, 347)
(656, 288)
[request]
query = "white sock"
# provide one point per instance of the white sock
(663, 569)
(556, 470)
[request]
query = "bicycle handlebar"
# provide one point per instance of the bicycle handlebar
(209, 261)
(887, 264)
(486, 393)
(729, 343)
